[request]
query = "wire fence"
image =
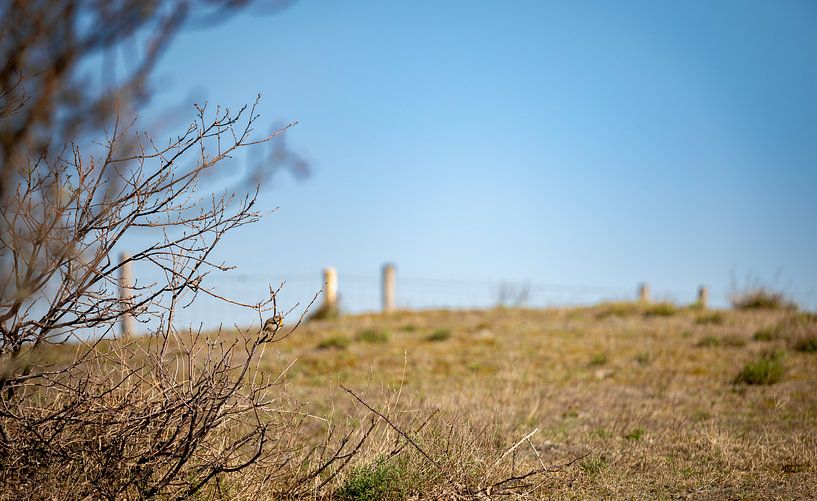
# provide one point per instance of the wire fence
(364, 293)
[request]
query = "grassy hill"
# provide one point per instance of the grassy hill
(613, 401)
(626, 401)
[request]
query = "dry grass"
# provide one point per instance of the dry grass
(660, 417)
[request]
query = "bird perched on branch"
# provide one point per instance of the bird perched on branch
(272, 324)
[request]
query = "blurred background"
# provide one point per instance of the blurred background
(549, 152)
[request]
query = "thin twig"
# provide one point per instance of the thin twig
(526, 437)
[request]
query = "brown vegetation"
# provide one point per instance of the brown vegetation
(661, 416)
(520, 402)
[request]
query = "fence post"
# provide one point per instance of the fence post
(128, 322)
(703, 296)
(643, 293)
(330, 289)
(388, 284)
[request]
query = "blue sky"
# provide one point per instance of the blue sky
(584, 143)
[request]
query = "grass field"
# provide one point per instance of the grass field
(628, 402)
(620, 401)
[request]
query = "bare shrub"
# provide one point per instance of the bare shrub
(164, 414)
(169, 413)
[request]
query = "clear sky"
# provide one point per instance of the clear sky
(584, 143)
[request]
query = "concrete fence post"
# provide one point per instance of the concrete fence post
(126, 283)
(330, 289)
(643, 293)
(388, 284)
(703, 296)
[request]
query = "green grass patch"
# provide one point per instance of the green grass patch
(661, 310)
(337, 342)
(727, 341)
(598, 359)
(770, 333)
(634, 435)
(439, 335)
(766, 369)
(593, 465)
(377, 481)
(713, 318)
(373, 336)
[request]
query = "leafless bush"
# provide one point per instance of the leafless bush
(168, 413)
(126, 417)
